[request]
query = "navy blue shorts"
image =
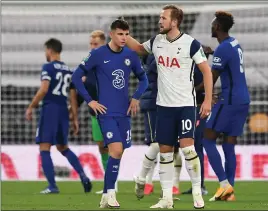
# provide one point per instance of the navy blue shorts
(53, 125)
(174, 123)
(150, 125)
(228, 119)
(116, 129)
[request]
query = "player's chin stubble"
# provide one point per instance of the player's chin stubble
(164, 31)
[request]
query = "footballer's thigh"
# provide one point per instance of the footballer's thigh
(237, 118)
(63, 127)
(46, 131)
(124, 125)
(111, 135)
(166, 128)
(186, 118)
(149, 126)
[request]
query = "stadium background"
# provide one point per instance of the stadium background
(25, 27)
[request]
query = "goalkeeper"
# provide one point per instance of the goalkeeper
(97, 39)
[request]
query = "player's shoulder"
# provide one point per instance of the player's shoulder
(228, 43)
(129, 52)
(98, 51)
(187, 37)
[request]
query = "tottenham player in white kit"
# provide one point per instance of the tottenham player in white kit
(176, 54)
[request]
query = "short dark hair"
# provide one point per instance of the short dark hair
(176, 13)
(54, 44)
(119, 24)
(225, 19)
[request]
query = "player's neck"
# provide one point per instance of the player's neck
(173, 34)
(222, 37)
(54, 58)
(114, 47)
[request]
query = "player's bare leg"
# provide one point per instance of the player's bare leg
(74, 161)
(177, 171)
(111, 173)
(48, 168)
(166, 173)
(193, 167)
(147, 164)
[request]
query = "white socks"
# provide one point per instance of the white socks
(177, 169)
(149, 178)
(166, 173)
(148, 160)
(192, 164)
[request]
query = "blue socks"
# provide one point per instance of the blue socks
(111, 173)
(214, 158)
(230, 161)
(48, 168)
(73, 160)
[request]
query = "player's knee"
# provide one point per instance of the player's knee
(165, 148)
(44, 146)
(230, 139)
(62, 148)
(116, 150)
(186, 142)
(210, 134)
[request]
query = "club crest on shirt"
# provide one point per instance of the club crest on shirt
(109, 135)
(127, 62)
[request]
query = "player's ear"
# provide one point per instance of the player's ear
(111, 34)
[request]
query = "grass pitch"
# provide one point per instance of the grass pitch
(25, 196)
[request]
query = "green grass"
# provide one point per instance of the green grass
(25, 196)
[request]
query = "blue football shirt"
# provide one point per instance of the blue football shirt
(228, 60)
(112, 70)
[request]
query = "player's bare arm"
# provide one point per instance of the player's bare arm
(136, 46)
(37, 98)
(208, 85)
(74, 110)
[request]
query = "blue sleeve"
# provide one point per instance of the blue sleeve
(220, 58)
(46, 73)
(86, 65)
(195, 46)
(140, 74)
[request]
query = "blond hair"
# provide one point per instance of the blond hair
(98, 33)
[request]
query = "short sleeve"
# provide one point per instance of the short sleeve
(197, 52)
(220, 58)
(46, 73)
(148, 45)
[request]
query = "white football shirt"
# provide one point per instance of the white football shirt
(175, 65)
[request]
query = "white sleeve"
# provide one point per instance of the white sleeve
(148, 45)
(199, 56)
(197, 53)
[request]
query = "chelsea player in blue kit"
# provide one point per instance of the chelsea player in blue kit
(53, 124)
(113, 64)
(229, 114)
